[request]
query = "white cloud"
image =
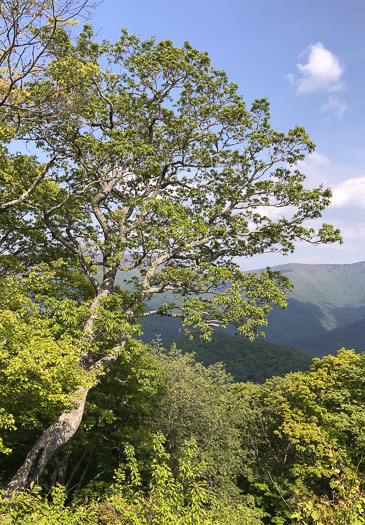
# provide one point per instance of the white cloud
(348, 187)
(322, 72)
(316, 167)
(352, 232)
(350, 193)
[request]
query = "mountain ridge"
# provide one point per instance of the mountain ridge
(325, 298)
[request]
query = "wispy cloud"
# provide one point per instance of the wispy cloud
(348, 188)
(321, 72)
(334, 105)
(318, 169)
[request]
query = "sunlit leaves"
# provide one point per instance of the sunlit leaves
(39, 351)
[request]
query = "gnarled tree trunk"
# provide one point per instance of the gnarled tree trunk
(49, 442)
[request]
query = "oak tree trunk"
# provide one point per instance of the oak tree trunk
(49, 442)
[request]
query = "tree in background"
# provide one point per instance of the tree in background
(153, 165)
(149, 392)
(304, 442)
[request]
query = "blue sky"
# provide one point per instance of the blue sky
(308, 58)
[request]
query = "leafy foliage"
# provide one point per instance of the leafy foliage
(314, 425)
(182, 499)
(39, 355)
(284, 452)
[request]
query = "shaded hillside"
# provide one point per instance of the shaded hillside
(245, 360)
(336, 285)
(337, 291)
(350, 337)
(325, 297)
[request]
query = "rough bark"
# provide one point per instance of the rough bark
(49, 442)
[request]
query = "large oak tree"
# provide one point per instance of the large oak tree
(151, 165)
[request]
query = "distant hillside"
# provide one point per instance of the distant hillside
(351, 336)
(337, 290)
(326, 298)
(246, 361)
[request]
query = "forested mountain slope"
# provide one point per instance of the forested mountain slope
(245, 360)
(325, 298)
(330, 295)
